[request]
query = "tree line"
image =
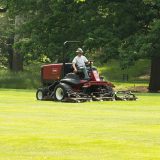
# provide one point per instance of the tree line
(126, 30)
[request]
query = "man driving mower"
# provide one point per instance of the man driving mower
(79, 63)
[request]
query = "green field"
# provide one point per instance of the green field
(46, 130)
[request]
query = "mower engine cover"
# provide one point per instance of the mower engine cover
(54, 72)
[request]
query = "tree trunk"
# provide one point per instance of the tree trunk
(17, 64)
(10, 43)
(154, 84)
(17, 61)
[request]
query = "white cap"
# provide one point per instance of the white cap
(79, 50)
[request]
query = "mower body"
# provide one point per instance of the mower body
(54, 72)
(60, 83)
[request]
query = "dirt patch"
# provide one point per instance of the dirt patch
(140, 89)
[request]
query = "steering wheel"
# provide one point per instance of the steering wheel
(90, 62)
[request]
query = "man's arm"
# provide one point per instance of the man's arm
(74, 64)
(74, 67)
(87, 62)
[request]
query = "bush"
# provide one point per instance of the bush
(28, 79)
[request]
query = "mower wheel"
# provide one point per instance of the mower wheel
(60, 91)
(40, 94)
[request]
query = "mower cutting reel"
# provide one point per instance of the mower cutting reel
(125, 96)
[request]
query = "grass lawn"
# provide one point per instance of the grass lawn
(45, 130)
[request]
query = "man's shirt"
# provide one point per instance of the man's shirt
(80, 61)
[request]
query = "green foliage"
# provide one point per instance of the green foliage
(3, 62)
(80, 1)
(28, 79)
(112, 71)
(125, 30)
(153, 40)
(3, 3)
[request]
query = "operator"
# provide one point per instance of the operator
(79, 63)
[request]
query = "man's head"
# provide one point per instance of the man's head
(79, 51)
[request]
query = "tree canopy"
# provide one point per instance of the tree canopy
(127, 29)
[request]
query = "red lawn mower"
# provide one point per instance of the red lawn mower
(59, 83)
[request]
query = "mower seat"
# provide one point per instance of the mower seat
(71, 78)
(68, 68)
(80, 74)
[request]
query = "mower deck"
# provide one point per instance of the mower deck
(75, 97)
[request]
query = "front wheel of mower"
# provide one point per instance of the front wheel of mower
(40, 94)
(60, 92)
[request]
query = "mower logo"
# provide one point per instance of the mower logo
(54, 70)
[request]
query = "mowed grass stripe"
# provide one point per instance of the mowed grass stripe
(31, 129)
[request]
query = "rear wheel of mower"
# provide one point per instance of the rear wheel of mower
(60, 92)
(40, 94)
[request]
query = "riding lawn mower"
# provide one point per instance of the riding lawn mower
(60, 83)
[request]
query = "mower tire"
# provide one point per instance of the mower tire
(40, 94)
(60, 91)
